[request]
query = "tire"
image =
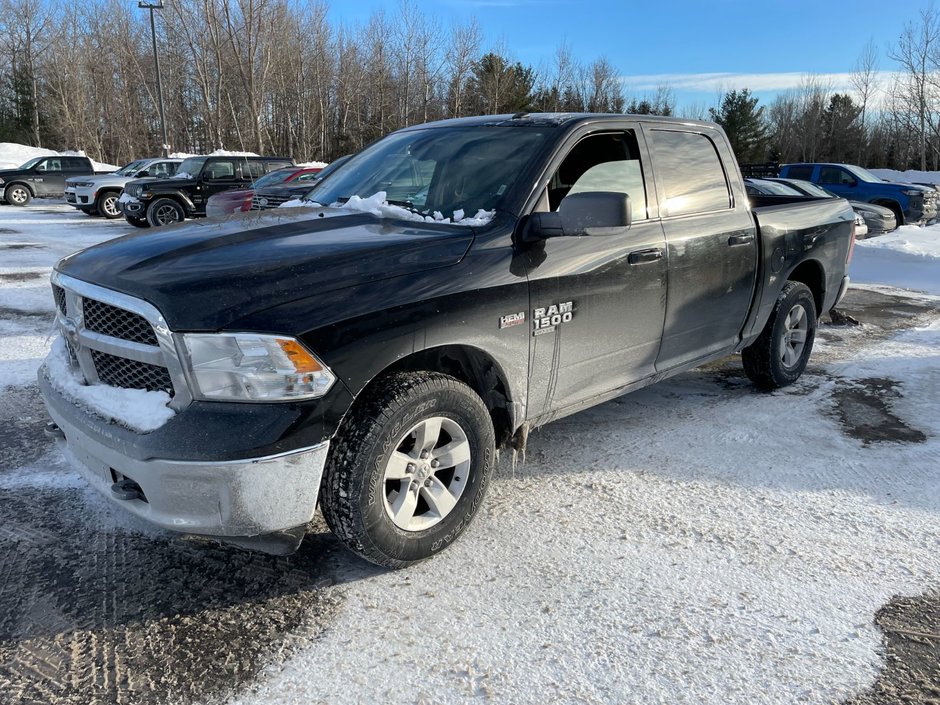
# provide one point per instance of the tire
(389, 520)
(778, 356)
(165, 211)
(107, 205)
(137, 222)
(17, 195)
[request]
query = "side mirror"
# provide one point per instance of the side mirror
(586, 213)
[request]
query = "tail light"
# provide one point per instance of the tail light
(848, 257)
(245, 205)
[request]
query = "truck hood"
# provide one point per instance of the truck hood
(5, 173)
(206, 274)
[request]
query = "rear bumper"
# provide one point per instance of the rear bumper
(249, 498)
(842, 290)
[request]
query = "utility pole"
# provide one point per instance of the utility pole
(157, 5)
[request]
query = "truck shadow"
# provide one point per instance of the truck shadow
(93, 614)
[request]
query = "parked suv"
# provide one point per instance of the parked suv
(164, 201)
(42, 177)
(99, 195)
(910, 203)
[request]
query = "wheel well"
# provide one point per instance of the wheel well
(20, 183)
(811, 273)
(474, 368)
(891, 205)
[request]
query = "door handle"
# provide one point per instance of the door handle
(643, 256)
(744, 239)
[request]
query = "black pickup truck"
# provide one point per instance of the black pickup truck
(466, 281)
(42, 177)
(158, 202)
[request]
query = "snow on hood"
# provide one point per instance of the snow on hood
(136, 409)
(378, 205)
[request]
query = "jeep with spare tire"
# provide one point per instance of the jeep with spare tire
(159, 202)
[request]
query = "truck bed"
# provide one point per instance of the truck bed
(799, 232)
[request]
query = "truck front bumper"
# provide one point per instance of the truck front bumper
(262, 503)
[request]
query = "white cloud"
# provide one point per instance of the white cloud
(757, 82)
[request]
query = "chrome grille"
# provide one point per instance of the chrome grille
(116, 322)
(118, 340)
(121, 372)
(270, 201)
(58, 293)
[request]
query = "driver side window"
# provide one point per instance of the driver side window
(604, 162)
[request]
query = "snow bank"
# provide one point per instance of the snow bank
(313, 165)
(13, 155)
(908, 258)
(137, 409)
(377, 205)
(908, 177)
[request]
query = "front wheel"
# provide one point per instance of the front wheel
(165, 211)
(107, 205)
(780, 353)
(409, 468)
(17, 195)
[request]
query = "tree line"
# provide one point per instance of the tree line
(279, 77)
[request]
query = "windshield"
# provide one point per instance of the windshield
(812, 189)
(131, 168)
(273, 177)
(774, 188)
(190, 167)
(863, 174)
(31, 163)
(436, 170)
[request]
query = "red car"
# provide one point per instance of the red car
(229, 202)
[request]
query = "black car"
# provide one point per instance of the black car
(42, 177)
(275, 196)
(880, 220)
(157, 202)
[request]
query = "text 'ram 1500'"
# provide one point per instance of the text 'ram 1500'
(451, 287)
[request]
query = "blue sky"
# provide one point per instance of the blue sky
(698, 46)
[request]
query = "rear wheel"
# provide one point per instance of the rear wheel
(107, 205)
(165, 211)
(780, 354)
(409, 468)
(17, 195)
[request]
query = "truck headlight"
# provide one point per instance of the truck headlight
(1, 181)
(254, 367)
(913, 192)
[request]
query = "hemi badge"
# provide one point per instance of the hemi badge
(513, 319)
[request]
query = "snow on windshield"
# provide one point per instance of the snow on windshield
(379, 205)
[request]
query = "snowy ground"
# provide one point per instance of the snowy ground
(694, 542)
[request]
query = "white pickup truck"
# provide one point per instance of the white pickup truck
(98, 195)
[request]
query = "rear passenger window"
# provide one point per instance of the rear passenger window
(606, 162)
(835, 175)
(691, 172)
(252, 170)
(217, 171)
(800, 172)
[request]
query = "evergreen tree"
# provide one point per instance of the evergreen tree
(843, 128)
(744, 124)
